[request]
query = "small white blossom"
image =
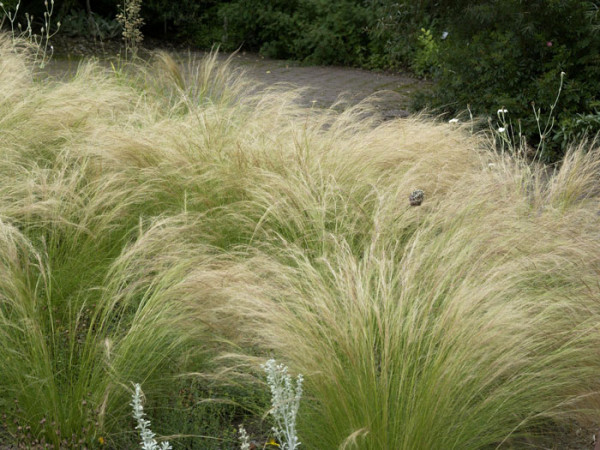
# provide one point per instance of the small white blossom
(502, 111)
(455, 120)
(501, 130)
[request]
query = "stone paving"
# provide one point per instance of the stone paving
(323, 85)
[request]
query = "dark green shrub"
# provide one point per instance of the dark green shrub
(578, 127)
(510, 54)
(193, 21)
(267, 26)
(369, 33)
(78, 23)
(316, 31)
(395, 29)
(427, 54)
(334, 32)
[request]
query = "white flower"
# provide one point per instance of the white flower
(455, 120)
(444, 35)
(501, 130)
(502, 111)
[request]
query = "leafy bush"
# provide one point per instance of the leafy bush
(427, 54)
(268, 26)
(511, 53)
(78, 23)
(369, 33)
(315, 31)
(350, 32)
(578, 127)
(187, 20)
(395, 30)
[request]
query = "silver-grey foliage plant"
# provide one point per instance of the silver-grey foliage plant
(148, 441)
(285, 402)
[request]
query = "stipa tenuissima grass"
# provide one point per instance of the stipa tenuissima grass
(142, 232)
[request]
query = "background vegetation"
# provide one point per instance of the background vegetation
(483, 55)
(510, 54)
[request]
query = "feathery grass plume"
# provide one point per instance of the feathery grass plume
(140, 234)
(458, 328)
(69, 218)
(185, 86)
(16, 70)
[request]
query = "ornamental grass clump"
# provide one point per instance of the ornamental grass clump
(73, 327)
(453, 334)
(162, 221)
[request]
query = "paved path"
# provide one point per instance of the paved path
(324, 84)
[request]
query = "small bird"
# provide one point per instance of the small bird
(416, 197)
